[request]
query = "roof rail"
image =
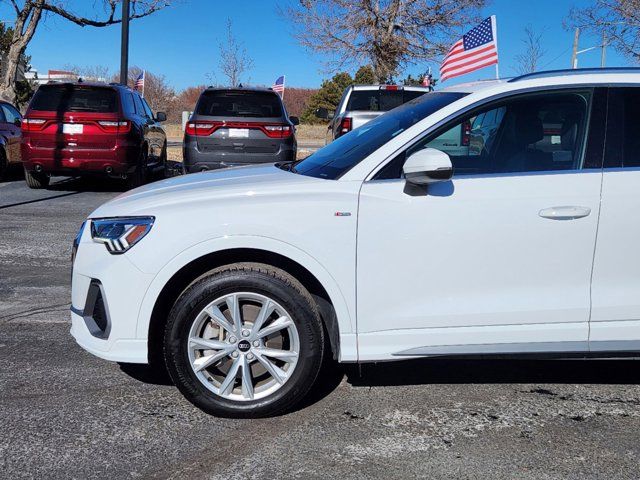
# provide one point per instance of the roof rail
(574, 71)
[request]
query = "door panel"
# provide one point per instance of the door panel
(475, 252)
(486, 259)
(615, 317)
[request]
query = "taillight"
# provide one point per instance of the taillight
(346, 125)
(390, 87)
(114, 126)
(277, 131)
(465, 134)
(201, 129)
(33, 124)
(204, 129)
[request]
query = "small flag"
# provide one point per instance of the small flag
(139, 85)
(476, 49)
(278, 86)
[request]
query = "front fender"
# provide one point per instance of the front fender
(346, 323)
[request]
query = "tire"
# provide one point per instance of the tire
(164, 172)
(262, 395)
(139, 176)
(36, 180)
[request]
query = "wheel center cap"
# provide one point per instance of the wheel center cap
(244, 346)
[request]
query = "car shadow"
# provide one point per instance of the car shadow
(86, 184)
(496, 371)
(445, 371)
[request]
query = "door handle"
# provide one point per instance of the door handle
(565, 213)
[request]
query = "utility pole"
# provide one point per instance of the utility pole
(124, 52)
(603, 53)
(574, 55)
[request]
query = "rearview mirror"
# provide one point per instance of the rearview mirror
(161, 117)
(324, 113)
(427, 166)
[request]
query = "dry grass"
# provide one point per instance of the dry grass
(311, 133)
(174, 130)
(174, 154)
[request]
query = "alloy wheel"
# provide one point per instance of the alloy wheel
(243, 346)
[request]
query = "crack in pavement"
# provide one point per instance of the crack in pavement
(34, 311)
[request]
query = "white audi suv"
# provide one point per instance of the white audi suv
(389, 243)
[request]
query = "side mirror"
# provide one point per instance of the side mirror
(324, 113)
(161, 117)
(428, 166)
(18, 122)
(295, 120)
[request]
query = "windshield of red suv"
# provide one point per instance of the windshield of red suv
(334, 160)
(380, 100)
(75, 98)
(222, 103)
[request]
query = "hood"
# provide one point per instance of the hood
(218, 185)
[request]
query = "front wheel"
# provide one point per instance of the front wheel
(244, 341)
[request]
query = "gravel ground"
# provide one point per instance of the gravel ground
(66, 414)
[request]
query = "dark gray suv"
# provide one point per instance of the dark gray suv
(238, 126)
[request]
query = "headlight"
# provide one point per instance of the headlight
(119, 234)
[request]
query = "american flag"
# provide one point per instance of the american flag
(278, 86)
(476, 49)
(139, 85)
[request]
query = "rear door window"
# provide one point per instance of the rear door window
(220, 103)
(139, 106)
(11, 114)
(75, 98)
(379, 100)
(623, 131)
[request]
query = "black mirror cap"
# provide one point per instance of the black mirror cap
(17, 122)
(161, 117)
(295, 120)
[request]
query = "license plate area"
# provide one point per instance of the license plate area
(72, 128)
(238, 133)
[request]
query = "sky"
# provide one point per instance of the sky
(181, 42)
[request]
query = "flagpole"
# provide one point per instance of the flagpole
(284, 77)
(494, 27)
(144, 81)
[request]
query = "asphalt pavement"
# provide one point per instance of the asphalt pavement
(67, 414)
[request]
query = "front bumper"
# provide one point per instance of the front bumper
(112, 335)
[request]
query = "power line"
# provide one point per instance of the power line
(556, 58)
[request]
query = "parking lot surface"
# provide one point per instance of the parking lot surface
(67, 414)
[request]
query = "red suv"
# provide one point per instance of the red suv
(79, 128)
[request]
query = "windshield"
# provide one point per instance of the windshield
(75, 98)
(220, 103)
(380, 100)
(334, 160)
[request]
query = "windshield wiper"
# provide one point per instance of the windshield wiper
(289, 166)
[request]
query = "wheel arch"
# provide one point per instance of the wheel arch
(199, 266)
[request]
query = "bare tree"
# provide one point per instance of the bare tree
(616, 20)
(234, 61)
(89, 72)
(29, 13)
(528, 60)
(388, 34)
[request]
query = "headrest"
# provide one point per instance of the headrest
(529, 128)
